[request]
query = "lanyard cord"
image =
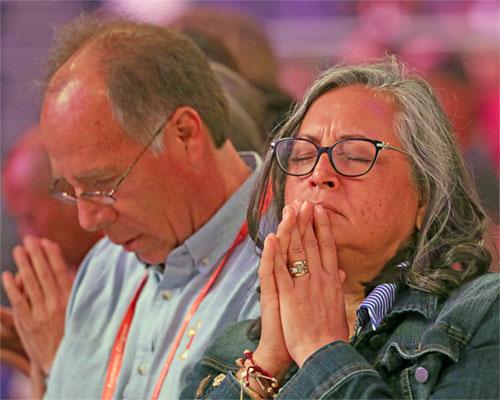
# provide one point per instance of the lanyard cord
(116, 360)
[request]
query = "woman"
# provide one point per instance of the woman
(375, 284)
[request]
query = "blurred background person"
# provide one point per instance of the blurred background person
(460, 101)
(243, 37)
(248, 119)
(249, 49)
(26, 175)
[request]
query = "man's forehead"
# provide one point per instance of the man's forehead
(62, 100)
(86, 161)
(90, 175)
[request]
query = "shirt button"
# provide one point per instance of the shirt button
(421, 375)
(377, 342)
(166, 294)
(205, 261)
(142, 369)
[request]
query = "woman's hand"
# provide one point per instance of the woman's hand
(271, 353)
(311, 306)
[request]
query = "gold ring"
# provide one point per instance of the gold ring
(298, 268)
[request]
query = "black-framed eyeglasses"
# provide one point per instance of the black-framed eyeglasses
(62, 190)
(349, 157)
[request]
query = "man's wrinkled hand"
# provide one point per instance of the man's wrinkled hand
(39, 295)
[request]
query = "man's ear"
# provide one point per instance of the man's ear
(189, 132)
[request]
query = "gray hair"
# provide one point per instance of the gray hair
(449, 248)
(150, 71)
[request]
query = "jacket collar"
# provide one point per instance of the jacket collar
(411, 300)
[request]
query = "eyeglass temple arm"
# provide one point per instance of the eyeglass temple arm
(386, 146)
(112, 191)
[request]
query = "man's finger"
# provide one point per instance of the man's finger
(41, 267)
(16, 360)
(31, 288)
(6, 316)
(17, 299)
(59, 267)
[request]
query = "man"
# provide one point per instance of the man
(135, 125)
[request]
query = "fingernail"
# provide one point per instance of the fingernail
(285, 211)
(268, 238)
(297, 204)
(318, 208)
(28, 240)
(45, 242)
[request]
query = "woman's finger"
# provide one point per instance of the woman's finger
(271, 350)
(283, 279)
(310, 245)
(326, 241)
(285, 230)
(304, 217)
(266, 276)
(295, 249)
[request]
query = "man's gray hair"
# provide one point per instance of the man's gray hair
(449, 248)
(150, 71)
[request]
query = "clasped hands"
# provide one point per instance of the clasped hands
(304, 313)
(39, 295)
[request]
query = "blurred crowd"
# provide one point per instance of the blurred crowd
(262, 79)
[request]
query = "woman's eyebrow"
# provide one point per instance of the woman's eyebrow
(343, 135)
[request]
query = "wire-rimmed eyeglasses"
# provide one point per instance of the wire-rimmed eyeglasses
(62, 190)
(349, 157)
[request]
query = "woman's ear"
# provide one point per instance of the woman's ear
(420, 214)
(189, 132)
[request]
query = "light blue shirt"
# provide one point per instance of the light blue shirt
(106, 283)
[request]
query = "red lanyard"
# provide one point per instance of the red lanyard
(115, 363)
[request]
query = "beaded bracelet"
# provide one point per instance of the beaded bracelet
(267, 382)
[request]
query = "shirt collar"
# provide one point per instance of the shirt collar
(407, 300)
(207, 246)
(376, 306)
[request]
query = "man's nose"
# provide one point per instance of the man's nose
(93, 217)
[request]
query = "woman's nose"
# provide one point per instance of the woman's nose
(324, 175)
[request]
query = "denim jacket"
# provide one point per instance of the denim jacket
(425, 347)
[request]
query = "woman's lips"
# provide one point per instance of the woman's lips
(328, 207)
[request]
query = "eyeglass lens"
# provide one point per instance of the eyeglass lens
(65, 192)
(351, 157)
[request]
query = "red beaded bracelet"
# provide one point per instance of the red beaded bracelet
(266, 381)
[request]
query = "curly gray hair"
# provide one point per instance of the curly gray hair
(449, 248)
